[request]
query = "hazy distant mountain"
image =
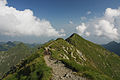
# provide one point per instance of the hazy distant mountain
(72, 59)
(4, 46)
(113, 47)
(13, 55)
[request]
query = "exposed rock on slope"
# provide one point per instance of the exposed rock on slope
(74, 58)
(60, 72)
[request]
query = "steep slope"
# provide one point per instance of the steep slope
(36, 68)
(31, 68)
(13, 56)
(103, 60)
(73, 58)
(113, 47)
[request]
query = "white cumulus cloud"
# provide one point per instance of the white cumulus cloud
(81, 28)
(112, 12)
(23, 23)
(107, 26)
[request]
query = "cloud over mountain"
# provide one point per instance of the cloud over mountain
(23, 23)
(106, 26)
(81, 28)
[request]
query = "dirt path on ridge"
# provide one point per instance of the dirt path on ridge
(60, 72)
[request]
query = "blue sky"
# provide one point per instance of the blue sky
(61, 12)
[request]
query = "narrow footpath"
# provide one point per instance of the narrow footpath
(60, 72)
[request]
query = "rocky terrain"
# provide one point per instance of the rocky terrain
(72, 59)
(60, 71)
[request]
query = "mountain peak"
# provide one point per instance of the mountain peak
(75, 37)
(112, 43)
(76, 54)
(113, 47)
(74, 34)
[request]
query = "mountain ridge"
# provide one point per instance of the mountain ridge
(86, 59)
(113, 47)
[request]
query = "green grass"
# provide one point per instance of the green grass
(106, 62)
(85, 71)
(32, 68)
(13, 56)
(87, 59)
(95, 76)
(75, 66)
(57, 50)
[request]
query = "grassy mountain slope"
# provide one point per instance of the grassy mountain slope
(103, 60)
(87, 59)
(32, 68)
(13, 56)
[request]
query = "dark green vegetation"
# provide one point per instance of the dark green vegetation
(32, 68)
(113, 47)
(13, 56)
(104, 61)
(89, 60)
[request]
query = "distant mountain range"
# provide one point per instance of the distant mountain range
(71, 59)
(12, 53)
(4, 46)
(113, 47)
